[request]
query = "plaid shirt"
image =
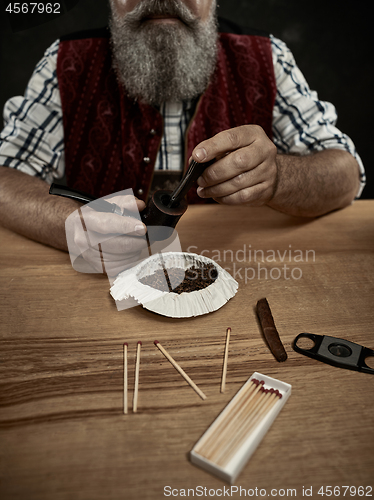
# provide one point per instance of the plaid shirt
(33, 138)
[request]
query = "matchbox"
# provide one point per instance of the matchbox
(229, 442)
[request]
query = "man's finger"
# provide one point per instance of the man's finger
(231, 166)
(100, 262)
(123, 247)
(226, 141)
(128, 202)
(251, 196)
(234, 184)
(106, 223)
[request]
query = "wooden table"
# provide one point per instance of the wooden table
(63, 433)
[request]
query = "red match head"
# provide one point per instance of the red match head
(156, 342)
(126, 344)
(140, 342)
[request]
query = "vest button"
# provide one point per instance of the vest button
(152, 131)
(140, 191)
(146, 159)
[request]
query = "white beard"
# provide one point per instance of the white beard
(164, 62)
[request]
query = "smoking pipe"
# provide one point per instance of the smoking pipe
(164, 209)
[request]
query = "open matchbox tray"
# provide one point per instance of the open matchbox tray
(248, 443)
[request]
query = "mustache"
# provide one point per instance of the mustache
(167, 8)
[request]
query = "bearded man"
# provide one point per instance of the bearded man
(130, 106)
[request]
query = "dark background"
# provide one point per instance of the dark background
(330, 40)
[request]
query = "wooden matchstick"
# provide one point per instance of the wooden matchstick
(217, 432)
(136, 388)
(248, 400)
(224, 372)
(125, 383)
(180, 370)
(236, 436)
(269, 398)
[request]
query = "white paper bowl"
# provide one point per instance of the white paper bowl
(171, 304)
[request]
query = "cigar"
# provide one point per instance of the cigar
(270, 332)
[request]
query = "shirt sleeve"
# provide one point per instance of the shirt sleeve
(301, 122)
(32, 140)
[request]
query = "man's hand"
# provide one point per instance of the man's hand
(245, 171)
(27, 208)
(107, 242)
(249, 171)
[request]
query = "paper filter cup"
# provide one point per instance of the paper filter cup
(169, 303)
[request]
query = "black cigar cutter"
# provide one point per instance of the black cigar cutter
(336, 352)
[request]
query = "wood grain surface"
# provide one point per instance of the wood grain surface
(63, 431)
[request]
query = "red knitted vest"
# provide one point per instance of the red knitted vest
(111, 142)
